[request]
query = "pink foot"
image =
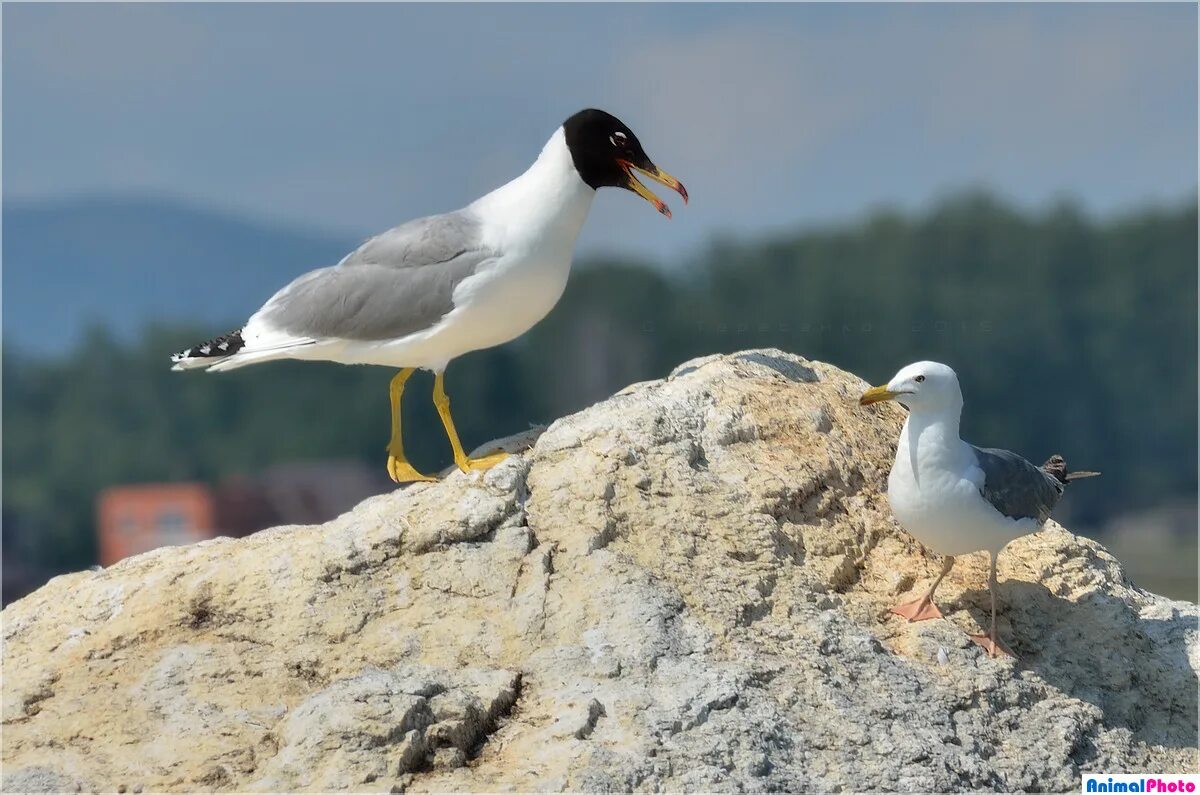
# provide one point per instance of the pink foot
(992, 646)
(921, 609)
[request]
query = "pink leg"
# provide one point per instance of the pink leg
(923, 608)
(988, 641)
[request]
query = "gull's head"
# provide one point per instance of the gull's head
(606, 153)
(924, 386)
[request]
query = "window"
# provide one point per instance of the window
(173, 526)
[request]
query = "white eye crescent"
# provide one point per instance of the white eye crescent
(617, 136)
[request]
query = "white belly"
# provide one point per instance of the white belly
(946, 513)
(492, 307)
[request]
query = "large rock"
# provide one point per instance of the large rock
(683, 587)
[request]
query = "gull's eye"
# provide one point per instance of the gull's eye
(919, 379)
(617, 139)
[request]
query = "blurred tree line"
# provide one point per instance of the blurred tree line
(1069, 335)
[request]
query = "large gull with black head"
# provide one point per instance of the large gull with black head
(430, 290)
(954, 497)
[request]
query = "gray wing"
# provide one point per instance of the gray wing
(395, 284)
(421, 243)
(1015, 487)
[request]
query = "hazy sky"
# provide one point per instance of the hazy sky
(356, 117)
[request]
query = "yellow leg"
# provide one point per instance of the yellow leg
(442, 402)
(398, 467)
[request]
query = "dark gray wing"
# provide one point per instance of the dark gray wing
(395, 284)
(1015, 487)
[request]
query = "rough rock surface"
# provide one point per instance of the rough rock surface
(683, 587)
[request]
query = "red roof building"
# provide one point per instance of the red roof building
(137, 518)
(134, 519)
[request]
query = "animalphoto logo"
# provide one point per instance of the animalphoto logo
(1152, 782)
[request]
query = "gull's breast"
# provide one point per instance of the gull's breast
(509, 296)
(945, 511)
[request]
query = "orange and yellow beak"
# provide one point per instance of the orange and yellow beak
(658, 175)
(877, 394)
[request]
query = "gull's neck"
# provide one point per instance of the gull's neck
(546, 205)
(930, 439)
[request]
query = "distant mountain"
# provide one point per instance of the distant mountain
(124, 262)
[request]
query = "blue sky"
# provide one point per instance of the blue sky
(356, 117)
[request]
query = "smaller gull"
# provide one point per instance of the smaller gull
(954, 497)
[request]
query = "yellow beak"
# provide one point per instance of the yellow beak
(658, 175)
(876, 394)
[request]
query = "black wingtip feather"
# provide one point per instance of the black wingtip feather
(219, 347)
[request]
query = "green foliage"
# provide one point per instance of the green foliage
(1069, 335)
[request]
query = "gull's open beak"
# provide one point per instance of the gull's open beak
(658, 175)
(877, 394)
